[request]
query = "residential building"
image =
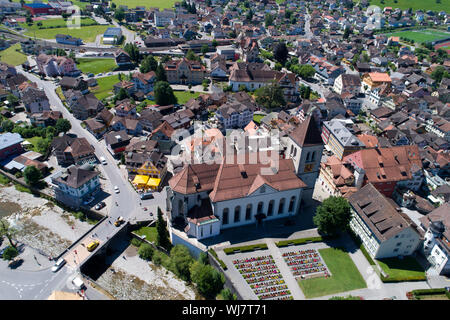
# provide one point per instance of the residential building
(75, 186)
(122, 58)
(35, 100)
(86, 106)
(185, 71)
(53, 66)
(69, 150)
(339, 139)
(347, 84)
(10, 144)
(383, 228)
(116, 142)
(234, 115)
(372, 80)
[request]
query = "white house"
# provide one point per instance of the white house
(385, 231)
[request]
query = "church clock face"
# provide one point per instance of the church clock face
(309, 167)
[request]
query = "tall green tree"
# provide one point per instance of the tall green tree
(7, 125)
(227, 294)
(122, 94)
(190, 55)
(133, 51)
(306, 71)
(205, 49)
(281, 52)
(162, 236)
(7, 231)
(63, 125)
(270, 96)
(268, 20)
(209, 281)
(332, 216)
(145, 251)
(148, 64)
(119, 14)
(181, 260)
(161, 73)
(164, 94)
(32, 175)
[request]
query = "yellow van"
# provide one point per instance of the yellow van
(91, 246)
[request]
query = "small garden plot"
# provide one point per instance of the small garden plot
(263, 277)
(306, 264)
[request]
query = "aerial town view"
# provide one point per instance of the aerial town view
(224, 150)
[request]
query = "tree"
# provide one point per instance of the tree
(42, 145)
(10, 253)
(161, 73)
(162, 237)
(214, 43)
(281, 53)
(346, 33)
(122, 94)
(332, 216)
(29, 20)
(249, 15)
(63, 125)
(268, 20)
(227, 294)
(305, 92)
(190, 55)
(32, 175)
(439, 73)
(7, 125)
(133, 51)
(306, 71)
(145, 251)
(119, 14)
(270, 96)
(7, 231)
(148, 64)
(209, 281)
(205, 49)
(182, 260)
(164, 94)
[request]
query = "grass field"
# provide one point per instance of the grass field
(105, 85)
(34, 141)
(146, 3)
(413, 4)
(345, 275)
(185, 96)
(149, 232)
(403, 269)
(87, 34)
(421, 36)
(94, 65)
(13, 57)
(54, 23)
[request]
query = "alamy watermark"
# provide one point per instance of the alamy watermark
(74, 21)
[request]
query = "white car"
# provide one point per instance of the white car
(58, 264)
(103, 161)
(116, 189)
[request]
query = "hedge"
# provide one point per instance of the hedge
(403, 279)
(254, 247)
(214, 254)
(286, 243)
(424, 292)
(367, 255)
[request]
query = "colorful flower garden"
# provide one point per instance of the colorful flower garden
(305, 263)
(263, 276)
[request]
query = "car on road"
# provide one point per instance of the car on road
(119, 221)
(78, 283)
(58, 264)
(109, 74)
(100, 205)
(99, 75)
(103, 161)
(147, 195)
(91, 246)
(90, 75)
(116, 189)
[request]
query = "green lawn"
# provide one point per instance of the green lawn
(413, 4)
(87, 34)
(105, 85)
(146, 3)
(345, 275)
(34, 142)
(257, 118)
(149, 232)
(94, 65)
(13, 57)
(421, 36)
(55, 23)
(402, 270)
(185, 96)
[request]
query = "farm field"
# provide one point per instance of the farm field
(421, 36)
(54, 23)
(11, 56)
(87, 34)
(95, 65)
(162, 4)
(413, 4)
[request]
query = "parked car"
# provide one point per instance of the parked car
(78, 283)
(119, 221)
(91, 246)
(58, 264)
(90, 75)
(103, 161)
(14, 263)
(100, 205)
(116, 189)
(147, 195)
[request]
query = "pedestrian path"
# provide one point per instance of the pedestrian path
(292, 284)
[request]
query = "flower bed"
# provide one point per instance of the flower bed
(263, 277)
(305, 263)
(254, 247)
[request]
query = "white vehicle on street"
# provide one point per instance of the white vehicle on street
(78, 283)
(103, 160)
(116, 189)
(58, 264)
